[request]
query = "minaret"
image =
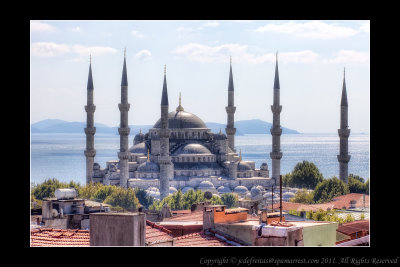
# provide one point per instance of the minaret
(230, 110)
(166, 167)
(344, 133)
(90, 130)
(276, 129)
(124, 130)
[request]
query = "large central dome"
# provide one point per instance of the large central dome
(182, 119)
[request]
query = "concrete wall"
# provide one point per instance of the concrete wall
(57, 223)
(242, 232)
(320, 234)
(117, 229)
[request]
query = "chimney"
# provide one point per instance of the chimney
(117, 229)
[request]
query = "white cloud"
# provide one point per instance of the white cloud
(75, 29)
(37, 26)
(48, 49)
(211, 24)
(312, 29)
(205, 54)
(137, 34)
(143, 54)
(94, 50)
(365, 27)
(346, 56)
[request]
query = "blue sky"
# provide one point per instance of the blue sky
(311, 54)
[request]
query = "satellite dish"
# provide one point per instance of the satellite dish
(208, 195)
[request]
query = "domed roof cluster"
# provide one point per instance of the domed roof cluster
(172, 190)
(206, 185)
(153, 192)
(264, 166)
(192, 149)
(148, 166)
(182, 119)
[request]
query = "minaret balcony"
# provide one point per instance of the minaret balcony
(90, 131)
(123, 155)
(124, 131)
(275, 155)
(230, 109)
(230, 131)
(343, 158)
(344, 132)
(124, 107)
(276, 109)
(276, 130)
(90, 108)
(91, 153)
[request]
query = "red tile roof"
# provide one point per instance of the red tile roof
(156, 233)
(362, 241)
(354, 227)
(49, 237)
(199, 240)
(196, 216)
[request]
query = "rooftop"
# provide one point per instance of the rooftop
(354, 227)
(199, 240)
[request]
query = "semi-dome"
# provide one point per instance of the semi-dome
(269, 195)
(182, 119)
(240, 189)
(224, 189)
(140, 148)
(243, 166)
(148, 166)
(192, 149)
(187, 188)
(206, 185)
(153, 194)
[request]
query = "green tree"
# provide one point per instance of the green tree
(229, 199)
(287, 180)
(367, 187)
(356, 186)
(305, 174)
(359, 178)
(303, 196)
(88, 191)
(124, 198)
(216, 200)
(47, 188)
(191, 197)
(102, 192)
(145, 200)
(328, 189)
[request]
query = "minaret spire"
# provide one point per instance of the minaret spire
(180, 108)
(276, 129)
(230, 110)
(344, 133)
(90, 130)
(124, 129)
(164, 160)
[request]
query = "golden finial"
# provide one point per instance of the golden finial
(165, 69)
(180, 108)
(148, 155)
(240, 158)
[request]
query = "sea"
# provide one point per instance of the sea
(60, 155)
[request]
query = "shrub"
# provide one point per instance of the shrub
(124, 198)
(47, 188)
(229, 199)
(328, 189)
(303, 196)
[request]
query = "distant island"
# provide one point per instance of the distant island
(60, 126)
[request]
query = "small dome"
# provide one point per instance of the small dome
(172, 190)
(268, 195)
(240, 189)
(153, 194)
(255, 192)
(243, 166)
(139, 138)
(264, 166)
(192, 149)
(152, 188)
(140, 148)
(187, 188)
(224, 189)
(148, 166)
(206, 185)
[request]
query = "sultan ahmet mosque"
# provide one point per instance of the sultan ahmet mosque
(180, 152)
